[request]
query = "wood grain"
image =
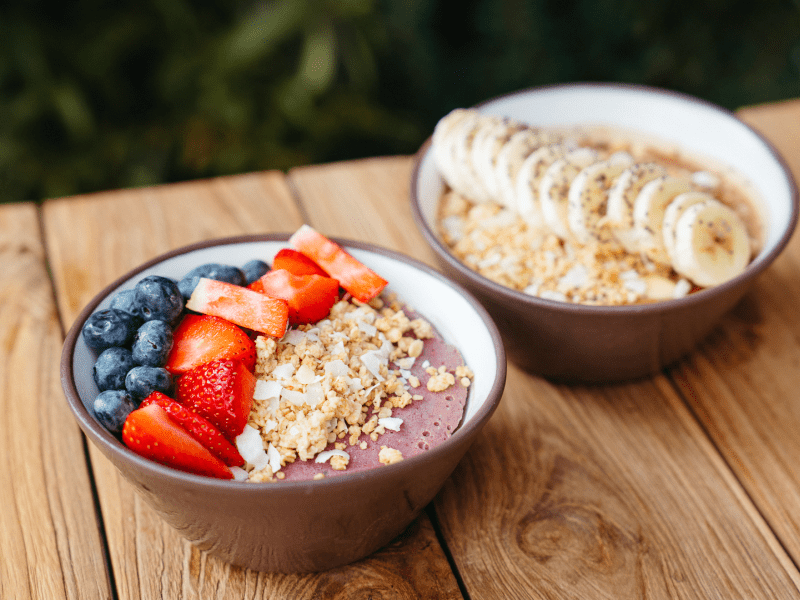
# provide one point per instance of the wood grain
(743, 383)
(605, 492)
(94, 239)
(50, 546)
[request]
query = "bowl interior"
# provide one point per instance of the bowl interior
(693, 125)
(454, 313)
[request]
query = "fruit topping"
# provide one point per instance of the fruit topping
(252, 270)
(214, 271)
(152, 343)
(151, 433)
(158, 298)
(125, 301)
(109, 327)
(310, 297)
(296, 263)
(112, 407)
(111, 368)
(141, 381)
(221, 391)
(240, 305)
(199, 428)
(355, 277)
(199, 339)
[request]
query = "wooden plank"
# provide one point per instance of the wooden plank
(50, 546)
(94, 239)
(604, 492)
(743, 384)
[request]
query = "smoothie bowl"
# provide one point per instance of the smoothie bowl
(606, 228)
(276, 421)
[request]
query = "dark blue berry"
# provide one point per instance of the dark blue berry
(142, 381)
(112, 407)
(254, 270)
(215, 271)
(126, 302)
(152, 343)
(109, 327)
(158, 298)
(111, 368)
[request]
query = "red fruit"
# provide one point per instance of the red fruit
(150, 432)
(310, 297)
(222, 392)
(296, 263)
(362, 282)
(199, 428)
(241, 306)
(199, 339)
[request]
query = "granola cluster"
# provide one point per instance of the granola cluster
(331, 382)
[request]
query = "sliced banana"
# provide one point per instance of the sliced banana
(526, 198)
(555, 185)
(711, 244)
(443, 146)
(486, 148)
(648, 214)
(621, 198)
(588, 196)
(510, 158)
(672, 213)
(464, 137)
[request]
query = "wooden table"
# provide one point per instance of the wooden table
(685, 485)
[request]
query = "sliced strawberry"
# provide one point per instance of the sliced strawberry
(241, 306)
(310, 297)
(199, 339)
(222, 392)
(199, 428)
(358, 279)
(296, 263)
(150, 432)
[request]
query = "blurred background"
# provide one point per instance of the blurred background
(98, 95)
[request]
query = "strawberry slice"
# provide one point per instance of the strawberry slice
(220, 391)
(296, 262)
(358, 279)
(199, 428)
(240, 305)
(199, 339)
(310, 297)
(150, 432)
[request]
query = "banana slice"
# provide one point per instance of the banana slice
(648, 214)
(526, 198)
(554, 188)
(485, 149)
(672, 213)
(463, 140)
(588, 196)
(711, 244)
(510, 158)
(442, 143)
(621, 198)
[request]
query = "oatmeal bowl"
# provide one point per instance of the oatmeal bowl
(605, 227)
(288, 403)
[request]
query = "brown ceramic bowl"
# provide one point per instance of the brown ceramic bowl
(572, 342)
(305, 525)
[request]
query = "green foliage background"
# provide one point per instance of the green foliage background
(97, 95)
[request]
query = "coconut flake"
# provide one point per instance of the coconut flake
(274, 458)
(293, 397)
(293, 336)
(406, 362)
(370, 330)
(270, 425)
(373, 361)
(239, 474)
(327, 454)
(306, 375)
(284, 371)
(337, 349)
(682, 288)
(266, 390)
(392, 423)
(576, 277)
(314, 394)
(251, 447)
(336, 368)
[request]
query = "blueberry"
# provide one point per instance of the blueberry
(112, 407)
(210, 271)
(126, 302)
(111, 368)
(254, 270)
(152, 343)
(142, 381)
(158, 298)
(109, 327)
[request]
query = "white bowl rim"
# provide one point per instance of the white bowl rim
(753, 269)
(110, 444)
